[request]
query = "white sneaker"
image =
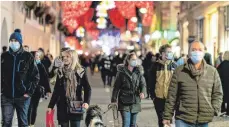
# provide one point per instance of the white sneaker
(40, 100)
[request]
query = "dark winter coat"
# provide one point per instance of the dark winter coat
(59, 97)
(44, 78)
(208, 58)
(223, 70)
(195, 99)
(19, 73)
(127, 82)
(46, 62)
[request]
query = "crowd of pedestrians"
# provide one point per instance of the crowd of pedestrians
(189, 89)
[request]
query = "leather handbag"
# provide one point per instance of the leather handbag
(75, 107)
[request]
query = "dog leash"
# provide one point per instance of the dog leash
(114, 108)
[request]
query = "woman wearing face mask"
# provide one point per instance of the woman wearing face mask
(129, 88)
(42, 88)
(71, 79)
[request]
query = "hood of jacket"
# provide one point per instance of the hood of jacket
(138, 70)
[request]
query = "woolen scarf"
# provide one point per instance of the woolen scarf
(71, 83)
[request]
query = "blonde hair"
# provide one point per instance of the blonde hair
(226, 55)
(75, 59)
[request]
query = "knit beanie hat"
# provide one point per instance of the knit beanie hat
(17, 36)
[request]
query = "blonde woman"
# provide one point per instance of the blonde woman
(70, 80)
(224, 76)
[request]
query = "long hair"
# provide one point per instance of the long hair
(75, 59)
(128, 57)
(226, 55)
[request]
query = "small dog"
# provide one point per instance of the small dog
(94, 117)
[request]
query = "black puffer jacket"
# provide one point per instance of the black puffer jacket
(223, 70)
(127, 82)
(19, 73)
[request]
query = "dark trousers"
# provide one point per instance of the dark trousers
(72, 124)
(106, 77)
(147, 86)
(32, 113)
(159, 107)
(8, 107)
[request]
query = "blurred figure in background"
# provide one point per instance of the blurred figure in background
(4, 49)
(147, 62)
(45, 60)
(223, 70)
(26, 48)
(219, 60)
(42, 88)
(207, 57)
(92, 64)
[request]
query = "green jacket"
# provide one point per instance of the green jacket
(194, 100)
(125, 82)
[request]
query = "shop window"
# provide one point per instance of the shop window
(200, 29)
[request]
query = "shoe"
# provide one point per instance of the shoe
(41, 100)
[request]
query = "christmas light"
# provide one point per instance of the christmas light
(143, 10)
(134, 19)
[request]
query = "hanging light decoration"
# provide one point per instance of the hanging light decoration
(102, 23)
(80, 32)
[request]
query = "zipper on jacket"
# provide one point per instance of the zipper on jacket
(13, 76)
(198, 103)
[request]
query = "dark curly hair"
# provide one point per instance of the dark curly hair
(164, 47)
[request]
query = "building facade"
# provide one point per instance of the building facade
(35, 32)
(206, 21)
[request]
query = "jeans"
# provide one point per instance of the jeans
(72, 123)
(129, 119)
(181, 123)
(32, 113)
(159, 107)
(9, 105)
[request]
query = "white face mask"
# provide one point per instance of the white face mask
(15, 45)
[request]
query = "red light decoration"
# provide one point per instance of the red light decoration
(131, 25)
(94, 33)
(116, 18)
(73, 10)
(73, 42)
(126, 8)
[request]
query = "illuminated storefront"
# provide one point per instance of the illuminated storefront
(226, 34)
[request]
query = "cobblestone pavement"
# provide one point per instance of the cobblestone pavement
(146, 118)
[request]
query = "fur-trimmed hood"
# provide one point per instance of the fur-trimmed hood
(122, 68)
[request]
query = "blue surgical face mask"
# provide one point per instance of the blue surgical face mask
(133, 63)
(169, 56)
(15, 46)
(38, 61)
(196, 56)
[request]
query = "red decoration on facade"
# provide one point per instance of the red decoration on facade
(73, 10)
(73, 42)
(94, 33)
(131, 25)
(147, 19)
(116, 18)
(126, 8)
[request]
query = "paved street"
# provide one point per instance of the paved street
(147, 118)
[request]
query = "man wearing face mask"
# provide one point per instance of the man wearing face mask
(19, 78)
(159, 78)
(195, 92)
